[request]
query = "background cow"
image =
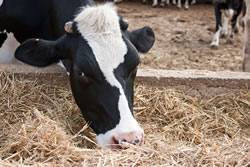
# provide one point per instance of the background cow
(98, 51)
(186, 4)
(117, 1)
(246, 56)
(232, 9)
(167, 2)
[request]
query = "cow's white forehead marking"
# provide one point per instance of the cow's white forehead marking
(98, 21)
(1, 2)
(99, 25)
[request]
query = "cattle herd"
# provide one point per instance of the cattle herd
(93, 44)
(165, 2)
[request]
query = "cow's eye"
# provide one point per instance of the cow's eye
(82, 77)
(81, 74)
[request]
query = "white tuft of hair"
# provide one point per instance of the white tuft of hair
(98, 20)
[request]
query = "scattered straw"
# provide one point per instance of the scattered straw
(42, 126)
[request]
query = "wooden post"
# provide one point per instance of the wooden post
(246, 51)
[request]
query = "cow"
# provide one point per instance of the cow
(117, 1)
(246, 50)
(155, 3)
(186, 6)
(232, 9)
(163, 2)
(98, 51)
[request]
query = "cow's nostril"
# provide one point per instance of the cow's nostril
(124, 140)
(116, 141)
(137, 141)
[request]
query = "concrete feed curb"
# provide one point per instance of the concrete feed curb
(193, 82)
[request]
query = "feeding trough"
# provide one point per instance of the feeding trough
(189, 118)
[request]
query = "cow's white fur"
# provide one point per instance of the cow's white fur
(99, 25)
(163, 2)
(224, 30)
(8, 49)
(186, 6)
(229, 13)
(216, 39)
(155, 3)
(60, 63)
(116, 1)
(1, 2)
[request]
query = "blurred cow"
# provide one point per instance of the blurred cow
(246, 57)
(163, 2)
(232, 9)
(186, 5)
(117, 1)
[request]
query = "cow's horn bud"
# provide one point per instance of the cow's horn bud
(68, 27)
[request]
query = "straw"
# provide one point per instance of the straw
(42, 126)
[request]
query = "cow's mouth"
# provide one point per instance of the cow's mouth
(115, 144)
(123, 144)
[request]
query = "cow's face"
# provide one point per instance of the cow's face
(103, 59)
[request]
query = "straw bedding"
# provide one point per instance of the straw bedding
(41, 126)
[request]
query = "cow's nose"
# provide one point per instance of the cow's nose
(134, 138)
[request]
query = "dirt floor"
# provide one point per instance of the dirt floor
(183, 38)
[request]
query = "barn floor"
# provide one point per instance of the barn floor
(183, 38)
(41, 126)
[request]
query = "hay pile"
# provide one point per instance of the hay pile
(41, 126)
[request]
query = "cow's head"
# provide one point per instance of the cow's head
(103, 59)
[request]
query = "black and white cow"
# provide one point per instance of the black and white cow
(186, 4)
(167, 2)
(232, 9)
(98, 50)
(117, 1)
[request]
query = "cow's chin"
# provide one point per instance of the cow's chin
(113, 138)
(107, 141)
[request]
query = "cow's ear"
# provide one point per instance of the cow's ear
(143, 39)
(37, 52)
(123, 24)
(68, 27)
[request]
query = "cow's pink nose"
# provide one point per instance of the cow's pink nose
(132, 138)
